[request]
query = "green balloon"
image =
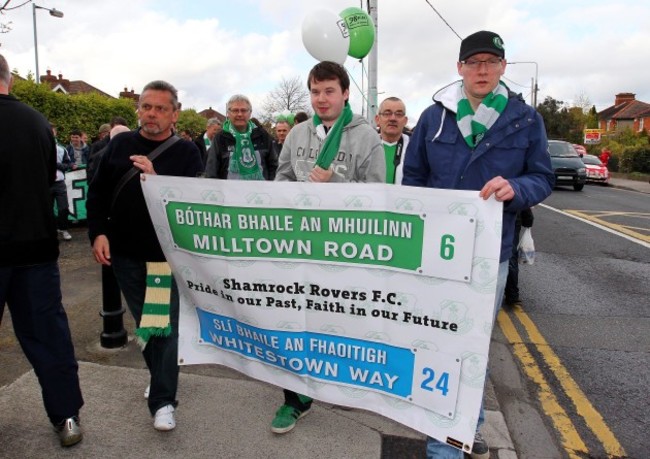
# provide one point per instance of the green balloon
(362, 31)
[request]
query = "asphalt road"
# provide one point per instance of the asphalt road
(581, 343)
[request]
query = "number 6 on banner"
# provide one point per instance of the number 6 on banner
(447, 247)
(436, 377)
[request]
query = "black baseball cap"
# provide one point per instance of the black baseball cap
(481, 42)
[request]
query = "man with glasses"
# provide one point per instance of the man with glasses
(391, 121)
(242, 150)
(479, 136)
(123, 235)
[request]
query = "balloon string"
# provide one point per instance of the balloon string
(363, 96)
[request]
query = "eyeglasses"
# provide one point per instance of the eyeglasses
(238, 111)
(388, 114)
(475, 64)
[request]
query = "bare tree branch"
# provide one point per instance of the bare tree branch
(289, 95)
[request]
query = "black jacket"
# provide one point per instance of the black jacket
(127, 225)
(223, 145)
(200, 144)
(27, 171)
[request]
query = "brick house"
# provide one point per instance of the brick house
(60, 84)
(627, 112)
(211, 113)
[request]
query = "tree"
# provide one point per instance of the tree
(289, 95)
(582, 100)
(5, 27)
(81, 111)
(560, 121)
(189, 119)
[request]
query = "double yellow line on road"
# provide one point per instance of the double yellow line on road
(570, 438)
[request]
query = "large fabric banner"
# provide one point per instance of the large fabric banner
(373, 296)
(77, 187)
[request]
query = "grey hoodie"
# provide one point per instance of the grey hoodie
(360, 157)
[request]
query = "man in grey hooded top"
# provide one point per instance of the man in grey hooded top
(334, 146)
(355, 148)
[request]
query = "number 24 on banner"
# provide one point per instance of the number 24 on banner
(436, 377)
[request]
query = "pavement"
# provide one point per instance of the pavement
(222, 413)
(631, 185)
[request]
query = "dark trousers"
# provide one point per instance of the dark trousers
(160, 353)
(33, 295)
(511, 293)
(293, 399)
(60, 194)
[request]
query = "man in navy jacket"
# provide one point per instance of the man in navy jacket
(478, 135)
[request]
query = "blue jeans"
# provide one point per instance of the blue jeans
(160, 353)
(437, 449)
(33, 294)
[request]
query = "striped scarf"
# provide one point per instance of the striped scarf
(155, 312)
(244, 159)
(473, 126)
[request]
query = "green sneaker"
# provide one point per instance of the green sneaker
(286, 418)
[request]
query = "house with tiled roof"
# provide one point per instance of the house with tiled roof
(211, 113)
(627, 112)
(60, 84)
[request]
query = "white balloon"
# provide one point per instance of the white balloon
(325, 36)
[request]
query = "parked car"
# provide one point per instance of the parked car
(596, 171)
(567, 165)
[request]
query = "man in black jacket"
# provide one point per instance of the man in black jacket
(123, 235)
(204, 141)
(242, 150)
(29, 273)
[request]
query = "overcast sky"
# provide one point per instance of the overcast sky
(212, 49)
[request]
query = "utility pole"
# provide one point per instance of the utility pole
(535, 87)
(372, 67)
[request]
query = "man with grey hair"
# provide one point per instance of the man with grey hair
(391, 121)
(30, 284)
(242, 150)
(204, 141)
(123, 235)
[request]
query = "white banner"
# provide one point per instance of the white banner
(373, 296)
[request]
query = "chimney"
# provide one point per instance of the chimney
(622, 97)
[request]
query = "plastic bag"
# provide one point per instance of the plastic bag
(526, 247)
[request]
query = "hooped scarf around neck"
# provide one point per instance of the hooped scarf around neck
(473, 126)
(243, 160)
(330, 147)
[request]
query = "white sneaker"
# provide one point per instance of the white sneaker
(66, 236)
(164, 418)
(146, 391)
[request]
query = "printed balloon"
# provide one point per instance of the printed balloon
(361, 29)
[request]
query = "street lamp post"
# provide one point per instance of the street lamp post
(533, 96)
(53, 12)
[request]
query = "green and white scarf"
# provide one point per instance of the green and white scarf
(155, 311)
(243, 160)
(473, 126)
(330, 147)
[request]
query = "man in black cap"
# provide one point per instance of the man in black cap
(479, 136)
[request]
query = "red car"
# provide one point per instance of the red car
(596, 171)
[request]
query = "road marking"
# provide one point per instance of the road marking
(571, 440)
(583, 406)
(605, 226)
